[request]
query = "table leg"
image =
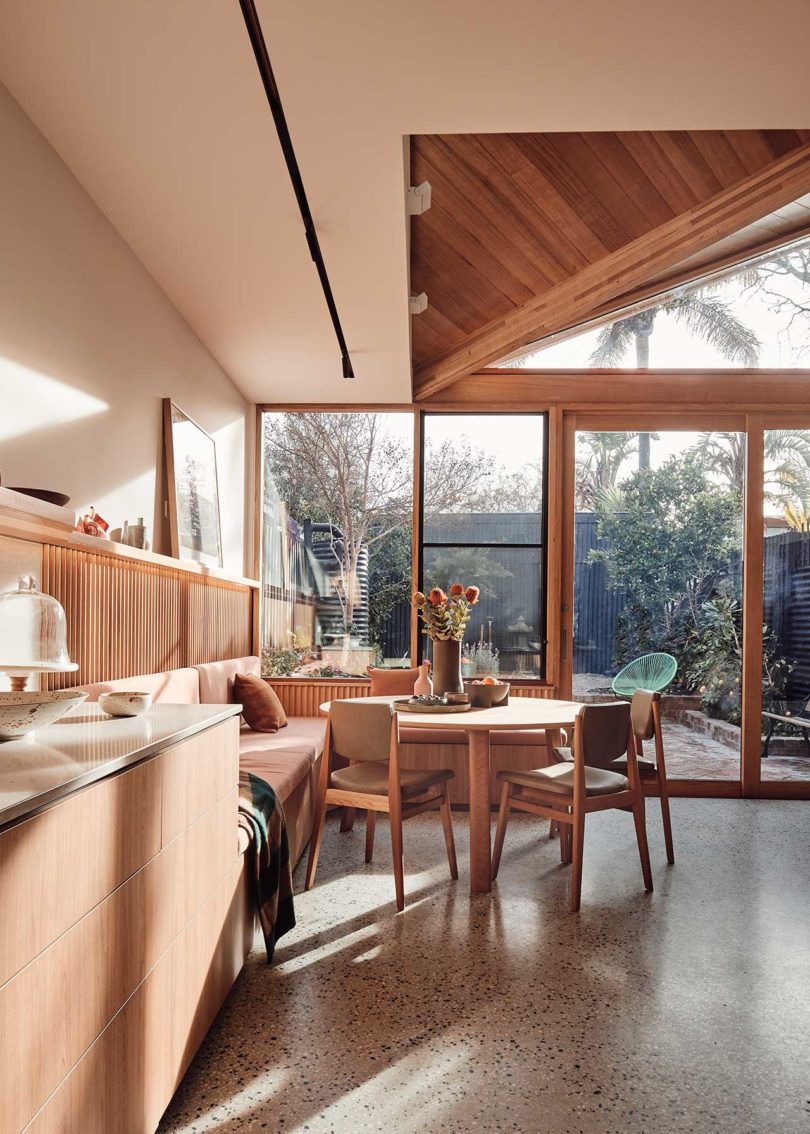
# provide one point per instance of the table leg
(480, 818)
(553, 740)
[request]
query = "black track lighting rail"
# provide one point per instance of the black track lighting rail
(257, 41)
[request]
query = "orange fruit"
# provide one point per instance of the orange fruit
(490, 681)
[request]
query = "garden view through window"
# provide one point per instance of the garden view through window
(337, 507)
(336, 538)
(658, 569)
(786, 610)
(484, 525)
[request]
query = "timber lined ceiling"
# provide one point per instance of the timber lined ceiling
(514, 216)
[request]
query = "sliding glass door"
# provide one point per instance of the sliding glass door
(785, 754)
(658, 570)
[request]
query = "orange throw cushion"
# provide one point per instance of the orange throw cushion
(261, 708)
(392, 682)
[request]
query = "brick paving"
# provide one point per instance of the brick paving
(693, 755)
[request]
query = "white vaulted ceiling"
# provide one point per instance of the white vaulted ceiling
(158, 110)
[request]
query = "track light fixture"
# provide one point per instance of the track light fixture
(418, 303)
(418, 199)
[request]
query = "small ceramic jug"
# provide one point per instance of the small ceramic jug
(423, 686)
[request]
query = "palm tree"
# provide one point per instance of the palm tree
(787, 463)
(704, 315)
(599, 461)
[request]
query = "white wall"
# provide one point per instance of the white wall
(89, 345)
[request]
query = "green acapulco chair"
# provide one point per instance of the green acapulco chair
(650, 671)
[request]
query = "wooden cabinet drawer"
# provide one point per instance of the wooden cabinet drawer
(58, 865)
(53, 1010)
(197, 773)
(126, 1079)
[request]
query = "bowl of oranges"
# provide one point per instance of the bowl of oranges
(486, 692)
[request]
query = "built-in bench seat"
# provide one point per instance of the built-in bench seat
(290, 758)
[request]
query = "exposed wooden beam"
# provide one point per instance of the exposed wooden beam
(662, 389)
(621, 271)
(710, 272)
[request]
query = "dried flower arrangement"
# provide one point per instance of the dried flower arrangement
(445, 616)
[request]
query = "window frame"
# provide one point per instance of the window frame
(537, 679)
(262, 410)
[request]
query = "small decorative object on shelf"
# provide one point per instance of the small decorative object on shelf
(92, 524)
(133, 535)
(445, 617)
(137, 534)
(423, 686)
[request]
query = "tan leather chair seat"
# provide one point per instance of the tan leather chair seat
(559, 778)
(646, 768)
(372, 778)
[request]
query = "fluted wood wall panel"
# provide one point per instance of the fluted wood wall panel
(303, 697)
(126, 617)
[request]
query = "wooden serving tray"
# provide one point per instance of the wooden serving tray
(411, 707)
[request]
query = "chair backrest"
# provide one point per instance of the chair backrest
(650, 671)
(605, 732)
(361, 730)
(641, 713)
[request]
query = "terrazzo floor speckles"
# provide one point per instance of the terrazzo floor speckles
(685, 1010)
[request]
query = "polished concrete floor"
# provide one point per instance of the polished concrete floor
(683, 1010)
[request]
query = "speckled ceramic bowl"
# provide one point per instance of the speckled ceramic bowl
(125, 703)
(21, 713)
(487, 696)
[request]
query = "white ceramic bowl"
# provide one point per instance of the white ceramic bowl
(125, 703)
(21, 713)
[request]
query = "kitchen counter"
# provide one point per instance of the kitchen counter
(85, 746)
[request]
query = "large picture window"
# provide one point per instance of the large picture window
(336, 537)
(483, 524)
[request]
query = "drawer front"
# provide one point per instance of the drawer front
(127, 1078)
(54, 1009)
(196, 774)
(56, 866)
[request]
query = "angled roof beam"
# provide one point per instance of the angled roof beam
(623, 270)
(665, 287)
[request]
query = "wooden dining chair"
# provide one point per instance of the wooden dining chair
(645, 714)
(367, 735)
(566, 792)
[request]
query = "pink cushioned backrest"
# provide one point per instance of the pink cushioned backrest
(216, 678)
(174, 687)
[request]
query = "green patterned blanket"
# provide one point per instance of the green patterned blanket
(262, 816)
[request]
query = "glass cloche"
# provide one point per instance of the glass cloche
(33, 633)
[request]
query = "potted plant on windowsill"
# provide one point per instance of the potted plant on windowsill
(445, 618)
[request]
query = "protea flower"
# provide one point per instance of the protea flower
(437, 597)
(457, 590)
(471, 595)
(419, 599)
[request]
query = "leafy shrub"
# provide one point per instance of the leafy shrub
(715, 670)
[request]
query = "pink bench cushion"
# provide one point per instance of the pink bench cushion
(283, 758)
(216, 678)
(174, 687)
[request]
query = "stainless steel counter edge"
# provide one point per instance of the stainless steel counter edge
(15, 813)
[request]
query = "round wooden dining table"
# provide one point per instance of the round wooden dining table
(519, 714)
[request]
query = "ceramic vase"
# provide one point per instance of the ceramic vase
(423, 687)
(447, 667)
